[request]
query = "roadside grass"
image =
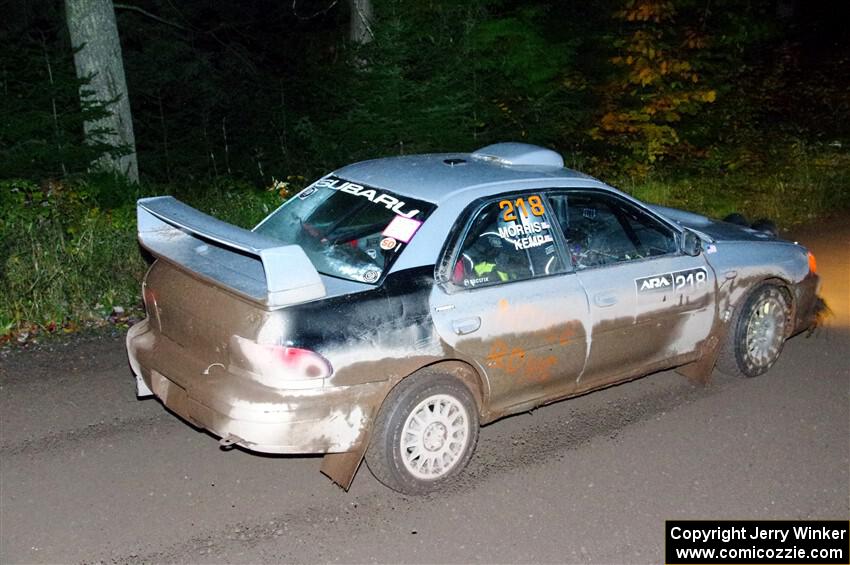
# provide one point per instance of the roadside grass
(69, 257)
(68, 263)
(796, 190)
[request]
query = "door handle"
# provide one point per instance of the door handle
(466, 325)
(605, 299)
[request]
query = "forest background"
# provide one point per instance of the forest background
(716, 106)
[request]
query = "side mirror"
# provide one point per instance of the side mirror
(691, 244)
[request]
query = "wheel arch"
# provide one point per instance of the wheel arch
(461, 370)
(736, 300)
(341, 467)
(728, 356)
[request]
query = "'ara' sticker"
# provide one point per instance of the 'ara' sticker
(678, 281)
(371, 276)
(388, 243)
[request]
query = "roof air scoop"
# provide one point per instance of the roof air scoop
(519, 154)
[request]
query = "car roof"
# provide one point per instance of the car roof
(439, 177)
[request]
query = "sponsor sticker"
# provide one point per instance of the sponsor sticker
(476, 281)
(371, 194)
(307, 192)
(678, 281)
(402, 228)
(655, 283)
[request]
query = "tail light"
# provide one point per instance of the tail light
(301, 363)
(813, 264)
(149, 298)
(151, 308)
(279, 366)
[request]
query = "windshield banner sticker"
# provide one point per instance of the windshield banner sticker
(679, 281)
(402, 228)
(370, 194)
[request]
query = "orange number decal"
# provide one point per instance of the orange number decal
(509, 215)
(536, 205)
(520, 203)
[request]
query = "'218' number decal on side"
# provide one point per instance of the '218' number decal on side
(678, 281)
(692, 278)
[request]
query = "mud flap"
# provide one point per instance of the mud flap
(341, 467)
(142, 390)
(699, 372)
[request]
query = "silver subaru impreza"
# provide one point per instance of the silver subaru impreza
(395, 305)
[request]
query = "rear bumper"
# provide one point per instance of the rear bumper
(245, 412)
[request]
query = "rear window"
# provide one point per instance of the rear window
(348, 230)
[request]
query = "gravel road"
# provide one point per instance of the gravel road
(89, 474)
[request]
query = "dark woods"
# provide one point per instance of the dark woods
(712, 105)
(267, 88)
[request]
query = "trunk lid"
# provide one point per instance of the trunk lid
(252, 265)
(199, 316)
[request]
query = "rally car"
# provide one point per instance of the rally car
(395, 305)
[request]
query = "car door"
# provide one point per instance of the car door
(650, 304)
(507, 302)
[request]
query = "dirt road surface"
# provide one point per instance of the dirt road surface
(88, 473)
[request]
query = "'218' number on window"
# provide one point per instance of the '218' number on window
(534, 203)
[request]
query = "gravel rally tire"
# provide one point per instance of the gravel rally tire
(756, 333)
(424, 434)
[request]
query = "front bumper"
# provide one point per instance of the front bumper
(810, 306)
(246, 413)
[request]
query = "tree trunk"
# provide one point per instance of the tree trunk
(97, 58)
(361, 21)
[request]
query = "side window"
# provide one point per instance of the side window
(601, 230)
(508, 240)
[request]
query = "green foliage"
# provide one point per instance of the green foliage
(799, 184)
(713, 106)
(64, 257)
(41, 112)
(659, 83)
(443, 76)
(525, 72)
(408, 90)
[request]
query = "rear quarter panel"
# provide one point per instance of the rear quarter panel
(378, 335)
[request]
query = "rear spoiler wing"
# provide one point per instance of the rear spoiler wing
(250, 264)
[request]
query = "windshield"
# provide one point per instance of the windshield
(348, 230)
